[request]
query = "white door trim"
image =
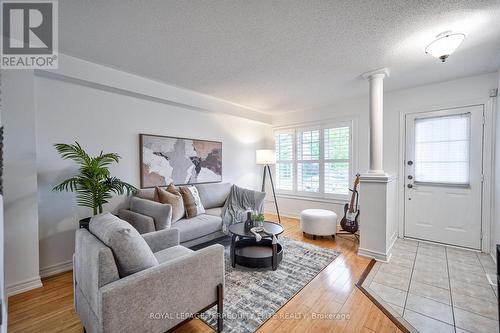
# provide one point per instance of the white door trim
(488, 163)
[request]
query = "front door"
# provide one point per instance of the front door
(443, 176)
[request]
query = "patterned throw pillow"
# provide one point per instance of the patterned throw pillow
(171, 196)
(192, 202)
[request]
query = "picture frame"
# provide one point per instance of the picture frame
(178, 160)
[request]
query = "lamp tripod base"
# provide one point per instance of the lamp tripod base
(267, 169)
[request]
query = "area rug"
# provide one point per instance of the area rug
(252, 296)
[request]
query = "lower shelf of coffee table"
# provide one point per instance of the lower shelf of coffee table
(250, 253)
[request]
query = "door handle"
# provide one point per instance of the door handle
(410, 162)
(410, 186)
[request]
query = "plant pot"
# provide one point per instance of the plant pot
(84, 223)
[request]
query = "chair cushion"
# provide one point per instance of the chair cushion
(172, 253)
(216, 211)
(131, 251)
(213, 195)
(161, 213)
(173, 197)
(192, 202)
(198, 226)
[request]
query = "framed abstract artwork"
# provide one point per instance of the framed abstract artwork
(181, 161)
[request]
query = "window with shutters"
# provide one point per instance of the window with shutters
(284, 160)
(314, 161)
(308, 160)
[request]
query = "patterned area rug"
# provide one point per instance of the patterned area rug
(252, 296)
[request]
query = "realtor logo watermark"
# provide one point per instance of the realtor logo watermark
(29, 35)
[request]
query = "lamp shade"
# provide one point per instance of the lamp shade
(265, 156)
(445, 44)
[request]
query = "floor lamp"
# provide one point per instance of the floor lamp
(266, 157)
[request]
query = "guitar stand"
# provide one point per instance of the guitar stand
(347, 233)
(343, 232)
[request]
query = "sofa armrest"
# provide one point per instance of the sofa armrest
(161, 213)
(158, 298)
(142, 223)
(163, 239)
(259, 201)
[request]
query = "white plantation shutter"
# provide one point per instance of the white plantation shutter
(442, 149)
(337, 159)
(308, 157)
(284, 160)
(314, 161)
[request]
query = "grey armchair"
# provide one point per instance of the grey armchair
(156, 299)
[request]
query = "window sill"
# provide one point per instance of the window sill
(315, 199)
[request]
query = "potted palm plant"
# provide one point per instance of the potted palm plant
(93, 184)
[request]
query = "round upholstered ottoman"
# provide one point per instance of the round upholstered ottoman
(318, 222)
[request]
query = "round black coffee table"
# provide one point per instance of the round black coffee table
(246, 251)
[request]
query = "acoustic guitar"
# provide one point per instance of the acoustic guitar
(349, 222)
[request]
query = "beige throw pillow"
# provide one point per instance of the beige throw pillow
(192, 201)
(174, 198)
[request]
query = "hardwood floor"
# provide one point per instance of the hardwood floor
(50, 308)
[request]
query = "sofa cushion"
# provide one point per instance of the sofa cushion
(140, 222)
(172, 253)
(217, 211)
(131, 251)
(192, 202)
(161, 213)
(213, 195)
(173, 197)
(198, 226)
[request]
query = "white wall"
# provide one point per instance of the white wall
(445, 94)
(495, 239)
(111, 121)
(20, 182)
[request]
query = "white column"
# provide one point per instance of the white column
(376, 79)
(378, 191)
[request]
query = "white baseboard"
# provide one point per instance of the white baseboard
(56, 269)
(22, 286)
(282, 213)
(392, 242)
(379, 256)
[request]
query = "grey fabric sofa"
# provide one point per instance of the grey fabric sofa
(153, 300)
(144, 214)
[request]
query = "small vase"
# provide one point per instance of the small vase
(84, 223)
(249, 222)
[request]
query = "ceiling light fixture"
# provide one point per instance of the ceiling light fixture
(445, 44)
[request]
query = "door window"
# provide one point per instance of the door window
(442, 149)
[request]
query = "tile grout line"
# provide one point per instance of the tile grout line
(411, 277)
(422, 314)
(458, 292)
(486, 273)
(451, 294)
(448, 262)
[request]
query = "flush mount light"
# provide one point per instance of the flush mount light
(445, 44)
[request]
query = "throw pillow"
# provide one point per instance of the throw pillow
(161, 213)
(131, 251)
(174, 198)
(192, 201)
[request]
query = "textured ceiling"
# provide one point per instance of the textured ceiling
(281, 56)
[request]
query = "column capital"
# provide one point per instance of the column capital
(381, 72)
